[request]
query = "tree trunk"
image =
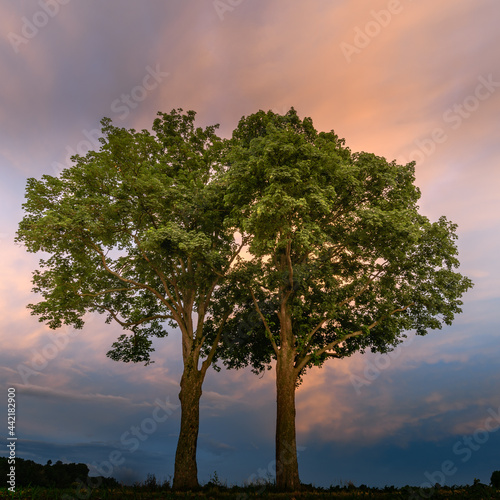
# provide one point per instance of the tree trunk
(287, 468)
(186, 470)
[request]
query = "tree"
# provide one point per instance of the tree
(341, 259)
(495, 479)
(135, 231)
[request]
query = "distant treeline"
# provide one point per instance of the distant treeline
(58, 475)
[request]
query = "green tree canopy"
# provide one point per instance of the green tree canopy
(341, 258)
(135, 231)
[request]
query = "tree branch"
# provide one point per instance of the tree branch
(289, 263)
(110, 290)
(157, 271)
(268, 331)
(213, 348)
(134, 323)
(331, 345)
(143, 286)
(219, 276)
(181, 262)
(344, 302)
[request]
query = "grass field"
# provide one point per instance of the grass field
(263, 491)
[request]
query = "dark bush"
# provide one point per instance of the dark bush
(29, 473)
(495, 479)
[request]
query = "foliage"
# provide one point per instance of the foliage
(495, 479)
(336, 242)
(30, 473)
(144, 231)
(267, 490)
(134, 231)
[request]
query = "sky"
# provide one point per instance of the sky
(403, 79)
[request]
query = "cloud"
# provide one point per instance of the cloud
(388, 99)
(53, 394)
(216, 403)
(213, 446)
(419, 391)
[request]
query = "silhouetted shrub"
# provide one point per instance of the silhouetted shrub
(495, 479)
(29, 473)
